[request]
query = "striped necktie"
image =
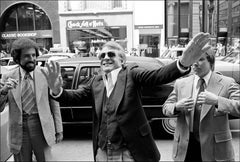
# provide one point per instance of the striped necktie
(28, 97)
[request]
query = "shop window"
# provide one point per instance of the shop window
(95, 38)
(150, 45)
(10, 21)
(41, 19)
(25, 15)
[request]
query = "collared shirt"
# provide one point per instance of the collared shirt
(195, 83)
(114, 75)
(22, 73)
(195, 92)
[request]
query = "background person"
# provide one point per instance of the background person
(202, 132)
(121, 131)
(34, 118)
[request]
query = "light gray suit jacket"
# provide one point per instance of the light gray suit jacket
(48, 110)
(215, 134)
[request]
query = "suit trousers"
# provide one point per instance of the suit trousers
(121, 155)
(194, 150)
(33, 141)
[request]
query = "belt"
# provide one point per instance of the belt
(25, 115)
(111, 147)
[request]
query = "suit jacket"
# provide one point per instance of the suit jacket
(130, 115)
(215, 134)
(48, 110)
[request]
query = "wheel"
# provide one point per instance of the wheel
(163, 128)
(169, 125)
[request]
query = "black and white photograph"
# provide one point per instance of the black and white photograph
(119, 80)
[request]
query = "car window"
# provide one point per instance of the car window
(67, 75)
(86, 73)
(4, 62)
(11, 62)
(232, 57)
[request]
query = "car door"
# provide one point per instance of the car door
(82, 114)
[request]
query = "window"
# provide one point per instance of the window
(86, 74)
(67, 75)
(41, 19)
(117, 3)
(25, 17)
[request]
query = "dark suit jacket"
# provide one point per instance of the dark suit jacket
(127, 102)
(215, 134)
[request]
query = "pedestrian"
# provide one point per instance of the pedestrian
(202, 103)
(34, 118)
(121, 131)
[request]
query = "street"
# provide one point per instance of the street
(77, 146)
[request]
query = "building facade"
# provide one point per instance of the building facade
(94, 22)
(136, 25)
(33, 19)
(185, 18)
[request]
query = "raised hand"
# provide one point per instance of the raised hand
(195, 48)
(53, 76)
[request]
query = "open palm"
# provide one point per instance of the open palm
(53, 76)
(195, 48)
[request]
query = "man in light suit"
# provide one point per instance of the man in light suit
(34, 119)
(209, 137)
(121, 131)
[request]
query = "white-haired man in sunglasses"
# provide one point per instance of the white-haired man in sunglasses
(121, 131)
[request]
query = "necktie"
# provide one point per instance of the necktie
(109, 84)
(28, 99)
(197, 112)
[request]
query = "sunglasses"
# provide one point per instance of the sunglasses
(110, 54)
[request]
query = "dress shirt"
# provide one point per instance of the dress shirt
(195, 91)
(22, 74)
(114, 75)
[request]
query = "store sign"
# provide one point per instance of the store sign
(148, 26)
(28, 34)
(85, 24)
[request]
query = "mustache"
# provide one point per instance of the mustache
(30, 62)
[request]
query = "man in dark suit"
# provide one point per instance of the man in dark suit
(34, 118)
(121, 131)
(202, 131)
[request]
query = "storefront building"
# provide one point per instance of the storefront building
(36, 20)
(93, 23)
(185, 18)
(149, 37)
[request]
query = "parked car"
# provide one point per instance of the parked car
(6, 64)
(230, 65)
(77, 71)
(171, 54)
(41, 60)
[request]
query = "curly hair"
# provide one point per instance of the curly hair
(20, 44)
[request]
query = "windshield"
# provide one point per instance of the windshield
(232, 57)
